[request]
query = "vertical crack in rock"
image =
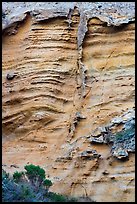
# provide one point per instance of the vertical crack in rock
(81, 72)
(82, 29)
(71, 11)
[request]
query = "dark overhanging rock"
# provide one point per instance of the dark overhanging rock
(10, 76)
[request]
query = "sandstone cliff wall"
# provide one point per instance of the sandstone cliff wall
(68, 88)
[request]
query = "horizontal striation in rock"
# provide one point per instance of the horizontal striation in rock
(112, 47)
(39, 55)
(45, 119)
(110, 73)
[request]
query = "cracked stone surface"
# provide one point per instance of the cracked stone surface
(71, 93)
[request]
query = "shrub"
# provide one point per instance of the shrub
(57, 197)
(33, 171)
(5, 175)
(17, 176)
(47, 182)
(26, 191)
(35, 174)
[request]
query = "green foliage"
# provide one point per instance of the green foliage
(125, 134)
(5, 175)
(13, 192)
(57, 197)
(47, 182)
(27, 191)
(33, 171)
(17, 176)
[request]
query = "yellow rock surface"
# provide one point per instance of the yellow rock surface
(40, 104)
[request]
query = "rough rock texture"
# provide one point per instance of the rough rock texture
(68, 76)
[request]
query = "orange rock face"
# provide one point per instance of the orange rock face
(55, 95)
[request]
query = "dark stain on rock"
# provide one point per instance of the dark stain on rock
(10, 76)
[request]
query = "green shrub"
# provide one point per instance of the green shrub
(17, 176)
(26, 190)
(47, 182)
(55, 197)
(33, 171)
(35, 174)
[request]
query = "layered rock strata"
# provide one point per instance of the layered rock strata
(68, 76)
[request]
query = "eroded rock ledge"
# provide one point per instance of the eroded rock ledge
(120, 132)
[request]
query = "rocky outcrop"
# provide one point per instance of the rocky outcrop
(120, 132)
(68, 95)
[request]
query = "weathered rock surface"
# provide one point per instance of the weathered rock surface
(123, 138)
(68, 95)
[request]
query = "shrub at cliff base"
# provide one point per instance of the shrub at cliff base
(29, 186)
